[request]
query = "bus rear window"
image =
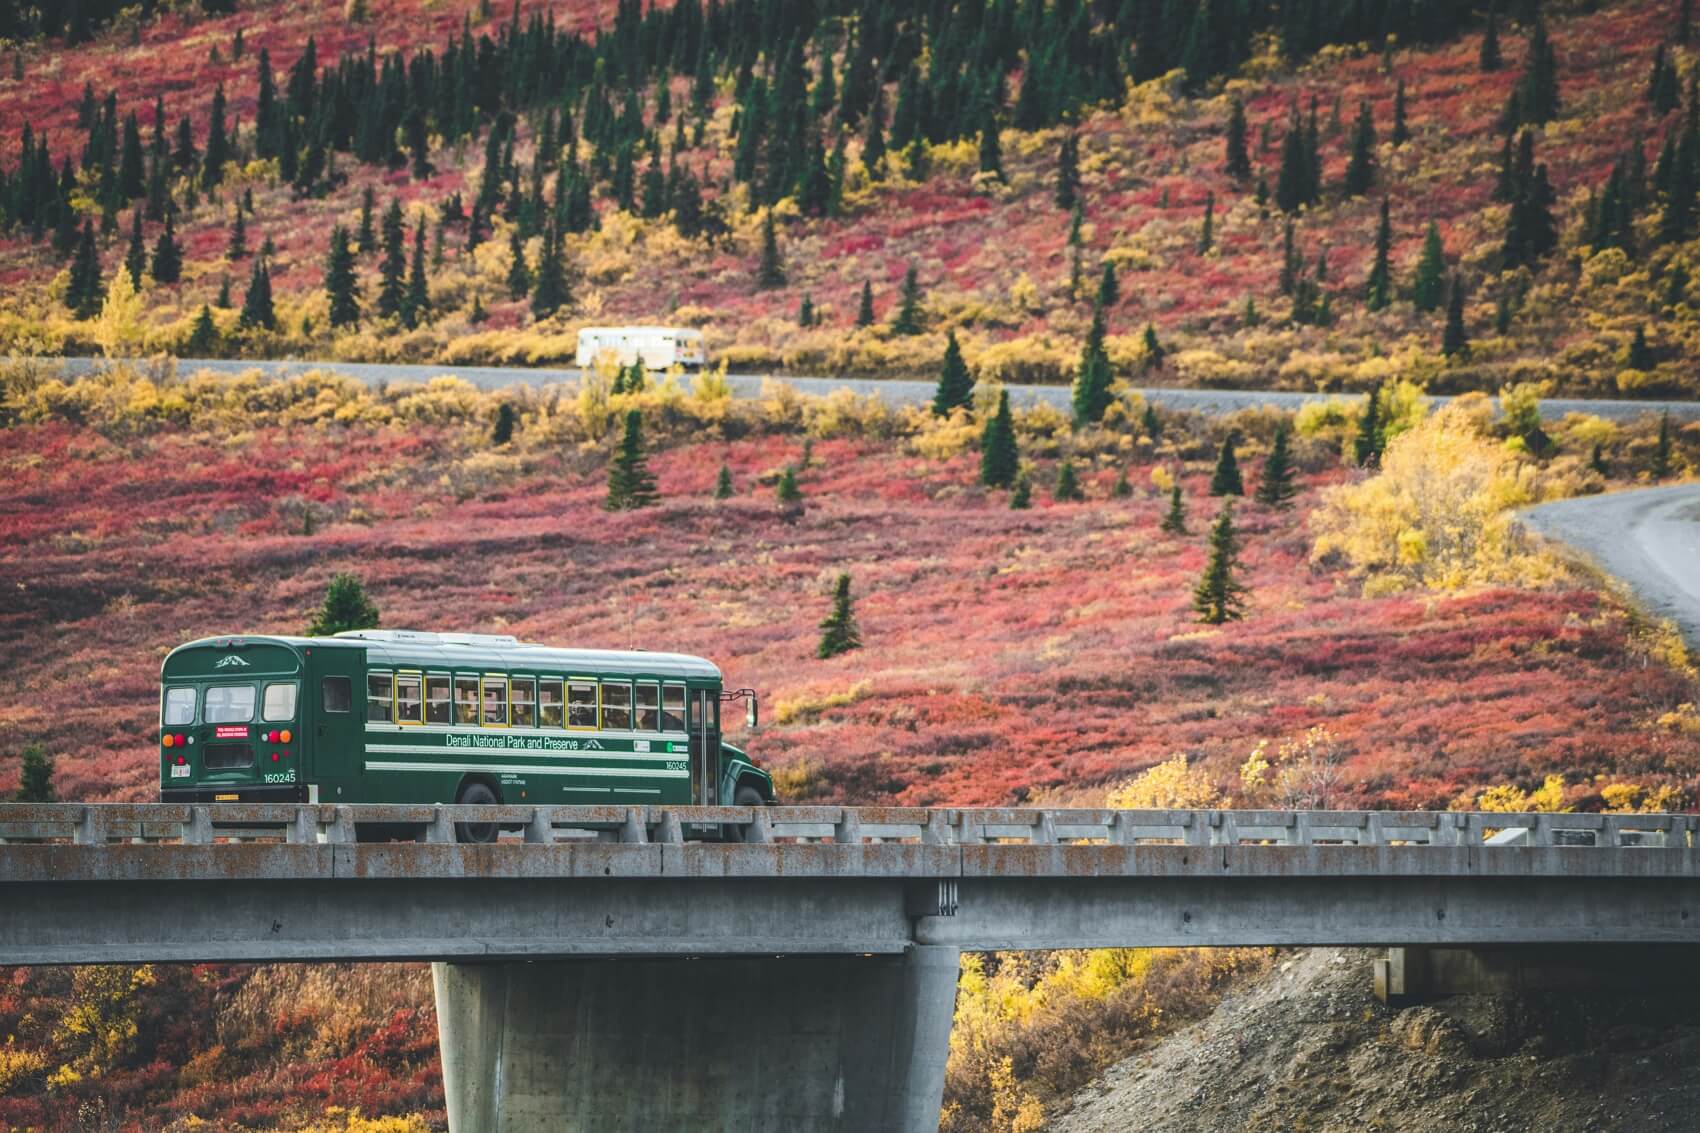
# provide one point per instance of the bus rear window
(229, 704)
(179, 707)
(280, 702)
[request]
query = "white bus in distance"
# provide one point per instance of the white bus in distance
(661, 348)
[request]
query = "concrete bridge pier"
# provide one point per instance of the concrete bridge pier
(810, 1044)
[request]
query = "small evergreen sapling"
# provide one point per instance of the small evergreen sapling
(838, 630)
(1226, 480)
(1275, 487)
(1122, 488)
(1219, 596)
(1021, 494)
(787, 490)
(1174, 521)
(1662, 449)
(723, 482)
(346, 607)
(1068, 484)
(503, 430)
(907, 321)
(865, 309)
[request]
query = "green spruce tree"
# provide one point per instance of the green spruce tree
(1428, 289)
(346, 607)
(1091, 394)
(956, 384)
(35, 781)
(1662, 449)
(1455, 341)
(1276, 487)
(1174, 521)
(630, 483)
(999, 458)
(865, 308)
(723, 482)
(341, 285)
(257, 310)
(1378, 291)
(1068, 484)
(167, 264)
(1021, 492)
(907, 319)
(1219, 596)
(1366, 448)
(838, 630)
(771, 271)
(1226, 480)
(203, 338)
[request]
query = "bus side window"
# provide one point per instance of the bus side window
(616, 706)
(549, 702)
(438, 709)
(378, 705)
(524, 698)
(409, 709)
(648, 707)
(581, 704)
(673, 708)
(495, 702)
(466, 700)
(336, 694)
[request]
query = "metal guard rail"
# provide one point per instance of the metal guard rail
(202, 824)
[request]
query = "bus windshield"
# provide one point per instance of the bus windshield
(229, 704)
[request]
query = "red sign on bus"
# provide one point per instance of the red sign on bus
(231, 732)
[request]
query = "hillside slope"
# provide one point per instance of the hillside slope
(992, 257)
(1308, 1047)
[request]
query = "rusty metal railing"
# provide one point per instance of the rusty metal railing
(195, 824)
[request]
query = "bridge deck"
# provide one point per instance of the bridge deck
(232, 882)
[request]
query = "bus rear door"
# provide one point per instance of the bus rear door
(337, 692)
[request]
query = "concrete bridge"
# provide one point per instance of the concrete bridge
(790, 968)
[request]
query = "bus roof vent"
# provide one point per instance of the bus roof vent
(486, 639)
(414, 635)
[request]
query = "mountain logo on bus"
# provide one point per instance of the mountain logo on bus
(228, 660)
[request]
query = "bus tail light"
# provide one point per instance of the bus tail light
(167, 740)
(284, 735)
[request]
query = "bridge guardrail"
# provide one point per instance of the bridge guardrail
(203, 824)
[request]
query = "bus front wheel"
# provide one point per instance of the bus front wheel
(476, 794)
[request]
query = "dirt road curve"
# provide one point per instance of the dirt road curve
(1650, 539)
(895, 391)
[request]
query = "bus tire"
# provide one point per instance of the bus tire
(745, 795)
(476, 794)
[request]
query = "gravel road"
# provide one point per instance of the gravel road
(897, 391)
(1650, 539)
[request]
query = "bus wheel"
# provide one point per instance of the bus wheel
(745, 795)
(476, 794)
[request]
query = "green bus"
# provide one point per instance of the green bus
(401, 716)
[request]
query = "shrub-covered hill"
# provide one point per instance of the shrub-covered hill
(1006, 652)
(635, 156)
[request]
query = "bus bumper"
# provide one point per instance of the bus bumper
(267, 793)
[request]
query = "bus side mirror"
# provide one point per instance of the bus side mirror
(751, 714)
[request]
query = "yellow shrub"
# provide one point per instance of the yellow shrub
(805, 706)
(1440, 513)
(1506, 798)
(17, 1064)
(1170, 785)
(940, 438)
(99, 1025)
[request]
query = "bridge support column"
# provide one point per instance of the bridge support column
(836, 1044)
